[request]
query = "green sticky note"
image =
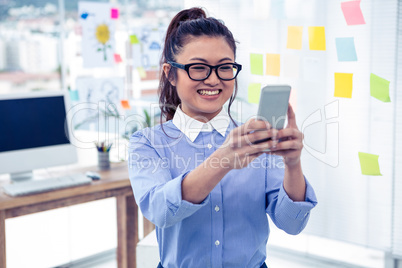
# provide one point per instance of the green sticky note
(379, 88)
(142, 72)
(256, 64)
(254, 91)
(134, 39)
(369, 164)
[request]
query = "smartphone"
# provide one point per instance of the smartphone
(273, 106)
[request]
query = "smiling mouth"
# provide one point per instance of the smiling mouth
(209, 92)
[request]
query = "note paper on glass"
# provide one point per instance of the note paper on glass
(134, 39)
(74, 95)
(345, 49)
(352, 13)
(316, 37)
(295, 35)
(256, 64)
(125, 104)
(142, 72)
(117, 58)
(278, 9)
(273, 64)
(379, 88)
(114, 13)
(343, 85)
(369, 164)
(254, 91)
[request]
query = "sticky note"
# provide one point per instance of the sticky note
(254, 91)
(295, 35)
(343, 85)
(379, 88)
(114, 13)
(352, 13)
(278, 9)
(142, 72)
(117, 58)
(290, 65)
(134, 39)
(369, 164)
(345, 49)
(74, 95)
(273, 64)
(316, 37)
(256, 63)
(125, 104)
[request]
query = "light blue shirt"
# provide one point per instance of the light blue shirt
(230, 227)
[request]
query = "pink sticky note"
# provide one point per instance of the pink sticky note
(117, 58)
(114, 13)
(352, 12)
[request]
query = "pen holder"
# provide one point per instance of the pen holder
(103, 160)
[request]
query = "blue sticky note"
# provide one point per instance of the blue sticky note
(345, 48)
(278, 9)
(74, 95)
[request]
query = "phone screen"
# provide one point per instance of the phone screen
(273, 105)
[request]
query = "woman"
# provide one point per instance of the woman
(200, 177)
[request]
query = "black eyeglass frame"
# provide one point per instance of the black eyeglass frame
(186, 67)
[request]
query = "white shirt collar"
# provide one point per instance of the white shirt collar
(191, 127)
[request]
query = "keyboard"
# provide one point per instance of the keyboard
(45, 185)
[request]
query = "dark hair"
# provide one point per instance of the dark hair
(187, 24)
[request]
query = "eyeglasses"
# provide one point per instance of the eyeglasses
(201, 71)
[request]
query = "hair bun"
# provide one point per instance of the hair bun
(186, 15)
(191, 14)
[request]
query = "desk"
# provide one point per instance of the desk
(114, 183)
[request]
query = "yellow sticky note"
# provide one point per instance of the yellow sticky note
(316, 37)
(369, 164)
(379, 88)
(295, 34)
(254, 91)
(256, 63)
(273, 64)
(142, 72)
(343, 85)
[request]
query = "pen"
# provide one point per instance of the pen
(103, 147)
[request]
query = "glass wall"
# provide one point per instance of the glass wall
(357, 212)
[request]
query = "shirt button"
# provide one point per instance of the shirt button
(217, 243)
(217, 208)
(209, 146)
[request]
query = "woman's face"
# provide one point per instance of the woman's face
(203, 100)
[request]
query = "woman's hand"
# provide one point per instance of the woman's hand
(291, 141)
(240, 148)
(242, 145)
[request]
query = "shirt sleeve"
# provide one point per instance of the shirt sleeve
(288, 215)
(156, 192)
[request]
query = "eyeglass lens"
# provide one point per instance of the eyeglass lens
(226, 71)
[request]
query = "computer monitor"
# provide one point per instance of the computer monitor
(34, 133)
